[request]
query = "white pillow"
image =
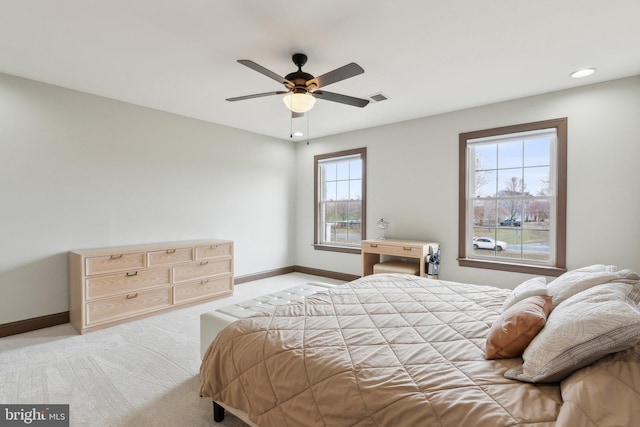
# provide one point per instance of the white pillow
(576, 281)
(531, 288)
(586, 327)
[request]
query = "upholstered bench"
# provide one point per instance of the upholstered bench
(397, 267)
(212, 322)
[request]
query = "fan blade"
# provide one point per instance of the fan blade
(257, 95)
(259, 68)
(336, 75)
(343, 99)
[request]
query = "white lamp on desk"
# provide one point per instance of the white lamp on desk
(382, 225)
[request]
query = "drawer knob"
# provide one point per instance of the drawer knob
(171, 251)
(213, 247)
(132, 296)
(202, 282)
(130, 274)
(204, 262)
(406, 248)
(115, 256)
(373, 245)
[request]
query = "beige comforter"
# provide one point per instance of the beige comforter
(385, 350)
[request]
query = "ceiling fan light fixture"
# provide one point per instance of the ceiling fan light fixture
(299, 102)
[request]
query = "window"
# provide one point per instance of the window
(340, 200)
(513, 198)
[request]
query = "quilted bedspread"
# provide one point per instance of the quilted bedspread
(384, 350)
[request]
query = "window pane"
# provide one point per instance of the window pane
(536, 181)
(355, 189)
(485, 183)
(355, 168)
(330, 191)
(485, 244)
(538, 212)
(355, 211)
(510, 154)
(536, 244)
(486, 156)
(537, 152)
(484, 214)
(343, 190)
(343, 170)
(510, 182)
(355, 235)
(330, 212)
(330, 172)
(510, 212)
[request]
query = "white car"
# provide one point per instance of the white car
(488, 243)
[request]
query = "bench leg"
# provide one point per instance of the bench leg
(218, 413)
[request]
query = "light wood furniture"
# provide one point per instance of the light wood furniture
(406, 267)
(411, 250)
(108, 286)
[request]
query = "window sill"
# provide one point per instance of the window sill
(512, 267)
(343, 249)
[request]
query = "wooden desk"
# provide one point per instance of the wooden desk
(416, 250)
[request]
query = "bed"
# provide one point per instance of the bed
(401, 350)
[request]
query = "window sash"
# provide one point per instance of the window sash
(551, 136)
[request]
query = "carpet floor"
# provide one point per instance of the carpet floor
(141, 373)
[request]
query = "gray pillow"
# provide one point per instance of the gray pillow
(581, 279)
(584, 328)
(531, 288)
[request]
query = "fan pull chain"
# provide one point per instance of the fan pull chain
(291, 125)
(308, 114)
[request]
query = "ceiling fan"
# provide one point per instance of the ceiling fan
(302, 88)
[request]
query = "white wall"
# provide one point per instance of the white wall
(412, 178)
(80, 171)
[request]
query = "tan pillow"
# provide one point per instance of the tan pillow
(512, 332)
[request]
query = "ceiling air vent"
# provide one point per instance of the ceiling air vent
(378, 97)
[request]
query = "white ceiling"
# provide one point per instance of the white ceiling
(427, 56)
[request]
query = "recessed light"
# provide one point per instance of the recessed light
(583, 73)
(298, 133)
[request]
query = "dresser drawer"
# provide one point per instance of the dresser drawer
(128, 282)
(200, 270)
(127, 305)
(201, 289)
(212, 251)
(398, 250)
(169, 256)
(115, 262)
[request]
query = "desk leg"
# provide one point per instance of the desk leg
(368, 261)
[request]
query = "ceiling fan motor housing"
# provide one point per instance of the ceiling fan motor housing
(300, 78)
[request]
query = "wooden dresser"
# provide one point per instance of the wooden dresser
(112, 285)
